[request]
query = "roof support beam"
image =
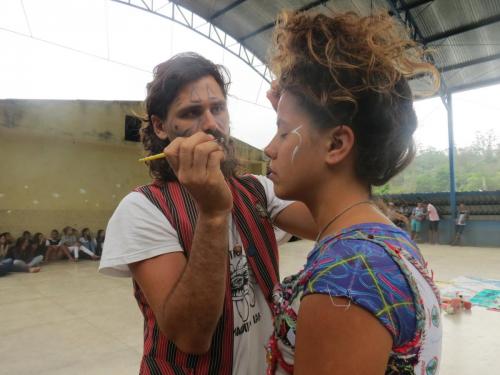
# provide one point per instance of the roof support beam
(446, 98)
(462, 29)
(408, 20)
(184, 17)
(470, 62)
(405, 16)
(270, 25)
(476, 85)
(312, 5)
(416, 4)
(225, 10)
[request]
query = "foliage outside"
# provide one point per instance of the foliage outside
(477, 168)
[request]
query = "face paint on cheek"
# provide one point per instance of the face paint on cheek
(179, 133)
(296, 149)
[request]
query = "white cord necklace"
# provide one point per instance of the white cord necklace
(339, 215)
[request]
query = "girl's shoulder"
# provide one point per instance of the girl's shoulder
(368, 241)
(360, 264)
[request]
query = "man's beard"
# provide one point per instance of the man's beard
(230, 163)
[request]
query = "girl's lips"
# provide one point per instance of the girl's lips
(270, 173)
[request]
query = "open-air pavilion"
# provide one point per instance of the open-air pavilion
(462, 36)
(70, 320)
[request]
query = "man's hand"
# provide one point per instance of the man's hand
(196, 162)
(187, 294)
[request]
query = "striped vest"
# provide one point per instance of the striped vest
(254, 226)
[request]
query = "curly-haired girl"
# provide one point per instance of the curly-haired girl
(365, 302)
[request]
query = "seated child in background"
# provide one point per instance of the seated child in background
(88, 240)
(69, 241)
(100, 241)
(23, 256)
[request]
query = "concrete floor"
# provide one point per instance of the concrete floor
(68, 319)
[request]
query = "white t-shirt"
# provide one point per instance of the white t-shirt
(432, 212)
(281, 236)
(462, 218)
(138, 230)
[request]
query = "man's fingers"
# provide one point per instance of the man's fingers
(197, 138)
(188, 146)
(172, 153)
(183, 148)
(184, 154)
(201, 155)
(214, 160)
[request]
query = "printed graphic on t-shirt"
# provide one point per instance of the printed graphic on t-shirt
(243, 292)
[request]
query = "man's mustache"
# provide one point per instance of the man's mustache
(219, 136)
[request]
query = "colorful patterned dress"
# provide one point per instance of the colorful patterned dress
(379, 268)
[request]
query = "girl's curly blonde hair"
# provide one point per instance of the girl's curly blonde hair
(352, 70)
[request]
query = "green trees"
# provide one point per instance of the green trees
(477, 167)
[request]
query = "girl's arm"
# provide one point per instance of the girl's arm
(336, 337)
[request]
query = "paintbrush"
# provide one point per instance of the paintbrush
(220, 141)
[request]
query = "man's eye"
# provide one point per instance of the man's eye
(191, 114)
(218, 108)
(283, 135)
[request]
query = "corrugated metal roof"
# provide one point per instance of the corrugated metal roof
(464, 35)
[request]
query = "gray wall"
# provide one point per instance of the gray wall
(478, 232)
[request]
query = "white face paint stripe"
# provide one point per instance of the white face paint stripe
(296, 149)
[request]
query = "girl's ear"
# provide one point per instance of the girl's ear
(340, 143)
(158, 127)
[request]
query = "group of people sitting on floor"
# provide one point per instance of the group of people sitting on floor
(28, 252)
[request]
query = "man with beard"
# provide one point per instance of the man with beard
(199, 241)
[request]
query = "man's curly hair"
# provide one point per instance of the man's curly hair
(169, 78)
(350, 70)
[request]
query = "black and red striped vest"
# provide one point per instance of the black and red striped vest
(254, 226)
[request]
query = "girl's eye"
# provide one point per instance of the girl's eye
(283, 135)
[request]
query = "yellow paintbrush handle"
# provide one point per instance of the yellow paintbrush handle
(162, 155)
(153, 157)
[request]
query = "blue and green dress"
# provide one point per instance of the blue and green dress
(379, 268)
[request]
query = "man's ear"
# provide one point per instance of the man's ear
(158, 127)
(340, 143)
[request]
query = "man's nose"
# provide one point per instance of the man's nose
(209, 121)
